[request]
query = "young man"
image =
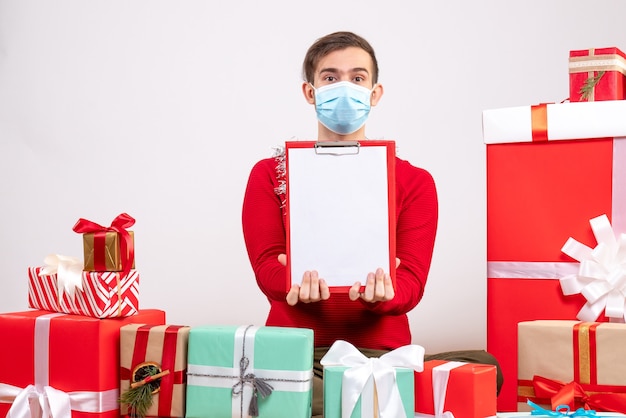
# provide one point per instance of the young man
(341, 81)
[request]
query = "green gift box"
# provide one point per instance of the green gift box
(356, 386)
(233, 370)
(366, 406)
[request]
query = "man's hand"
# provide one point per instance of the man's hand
(312, 289)
(378, 287)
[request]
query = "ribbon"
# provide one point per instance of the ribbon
(69, 271)
(167, 357)
(573, 393)
(119, 225)
(246, 382)
(259, 386)
(40, 400)
(381, 370)
(560, 411)
(441, 375)
(601, 277)
(604, 62)
(539, 122)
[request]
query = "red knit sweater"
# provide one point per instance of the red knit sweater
(381, 325)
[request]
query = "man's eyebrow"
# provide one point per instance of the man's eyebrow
(352, 70)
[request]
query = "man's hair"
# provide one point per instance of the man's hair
(331, 43)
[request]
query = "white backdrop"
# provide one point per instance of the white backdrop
(160, 108)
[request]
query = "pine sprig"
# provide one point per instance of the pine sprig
(139, 400)
(587, 88)
(139, 397)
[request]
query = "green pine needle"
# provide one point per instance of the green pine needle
(587, 88)
(139, 400)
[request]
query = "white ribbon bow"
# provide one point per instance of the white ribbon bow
(382, 369)
(52, 403)
(36, 401)
(69, 271)
(601, 278)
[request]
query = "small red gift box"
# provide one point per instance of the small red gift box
(145, 349)
(61, 359)
(103, 294)
(540, 192)
(466, 390)
(573, 363)
(597, 74)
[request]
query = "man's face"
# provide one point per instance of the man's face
(350, 64)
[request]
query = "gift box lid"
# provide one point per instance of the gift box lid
(555, 121)
(597, 59)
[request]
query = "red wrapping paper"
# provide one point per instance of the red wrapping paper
(165, 346)
(588, 63)
(83, 353)
(538, 195)
(471, 390)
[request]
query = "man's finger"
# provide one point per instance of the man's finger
(370, 286)
(379, 289)
(292, 295)
(324, 290)
(282, 259)
(314, 287)
(305, 287)
(390, 293)
(354, 292)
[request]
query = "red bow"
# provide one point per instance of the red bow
(119, 225)
(574, 395)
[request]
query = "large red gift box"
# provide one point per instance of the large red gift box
(60, 359)
(597, 74)
(103, 295)
(466, 390)
(540, 193)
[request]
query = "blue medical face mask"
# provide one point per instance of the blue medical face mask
(342, 107)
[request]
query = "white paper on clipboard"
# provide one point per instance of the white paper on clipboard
(339, 212)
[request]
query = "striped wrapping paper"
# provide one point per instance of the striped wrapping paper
(103, 294)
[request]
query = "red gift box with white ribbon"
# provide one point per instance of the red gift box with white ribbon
(453, 388)
(550, 170)
(62, 365)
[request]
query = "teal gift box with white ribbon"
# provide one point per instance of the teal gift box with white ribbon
(241, 371)
(356, 386)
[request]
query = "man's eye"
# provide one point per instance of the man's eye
(359, 79)
(329, 78)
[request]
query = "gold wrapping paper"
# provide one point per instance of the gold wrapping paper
(112, 251)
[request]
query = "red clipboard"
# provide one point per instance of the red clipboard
(340, 210)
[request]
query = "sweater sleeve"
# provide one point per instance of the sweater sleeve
(417, 217)
(264, 229)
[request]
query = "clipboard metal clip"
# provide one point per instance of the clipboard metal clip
(337, 147)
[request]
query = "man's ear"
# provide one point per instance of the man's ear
(377, 93)
(309, 92)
